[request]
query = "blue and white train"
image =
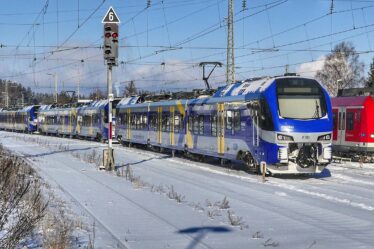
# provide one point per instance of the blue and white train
(89, 121)
(283, 121)
(23, 120)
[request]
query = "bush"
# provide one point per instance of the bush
(21, 202)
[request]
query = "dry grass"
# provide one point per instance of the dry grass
(21, 202)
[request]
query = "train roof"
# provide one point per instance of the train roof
(350, 101)
(239, 91)
(244, 87)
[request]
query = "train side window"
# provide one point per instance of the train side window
(152, 121)
(196, 124)
(237, 120)
(266, 120)
(334, 121)
(145, 121)
(177, 123)
(190, 122)
(132, 121)
(201, 125)
(229, 115)
(213, 123)
(340, 120)
(343, 121)
(165, 122)
(350, 121)
(181, 128)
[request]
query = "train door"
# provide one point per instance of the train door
(341, 120)
(353, 125)
(221, 128)
(335, 124)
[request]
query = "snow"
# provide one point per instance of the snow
(330, 210)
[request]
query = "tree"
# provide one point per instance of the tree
(130, 89)
(370, 80)
(342, 69)
(97, 95)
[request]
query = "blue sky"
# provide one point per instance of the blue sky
(162, 45)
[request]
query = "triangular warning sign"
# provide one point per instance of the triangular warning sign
(111, 16)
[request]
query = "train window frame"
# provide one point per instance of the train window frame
(196, 125)
(236, 121)
(334, 121)
(201, 124)
(177, 122)
(214, 125)
(190, 122)
(287, 87)
(229, 120)
(165, 124)
(350, 120)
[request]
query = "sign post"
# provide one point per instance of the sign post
(110, 22)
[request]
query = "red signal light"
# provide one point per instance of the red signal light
(107, 35)
(114, 35)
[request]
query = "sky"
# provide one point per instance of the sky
(161, 45)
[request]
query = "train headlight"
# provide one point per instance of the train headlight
(372, 135)
(326, 137)
(282, 137)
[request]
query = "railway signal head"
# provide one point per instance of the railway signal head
(111, 43)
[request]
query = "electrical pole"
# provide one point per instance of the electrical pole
(230, 63)
(110, 21)
(55, 79)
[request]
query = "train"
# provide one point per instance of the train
(353, 123)
(285, 122)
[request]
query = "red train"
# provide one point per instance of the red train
(353, 123)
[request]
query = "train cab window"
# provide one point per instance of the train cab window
(213, 123)
(229, 116)
(350, 121)
(300, 98)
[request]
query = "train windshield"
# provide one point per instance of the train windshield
(300, 98)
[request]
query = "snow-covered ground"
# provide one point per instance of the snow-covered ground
(178, 203)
